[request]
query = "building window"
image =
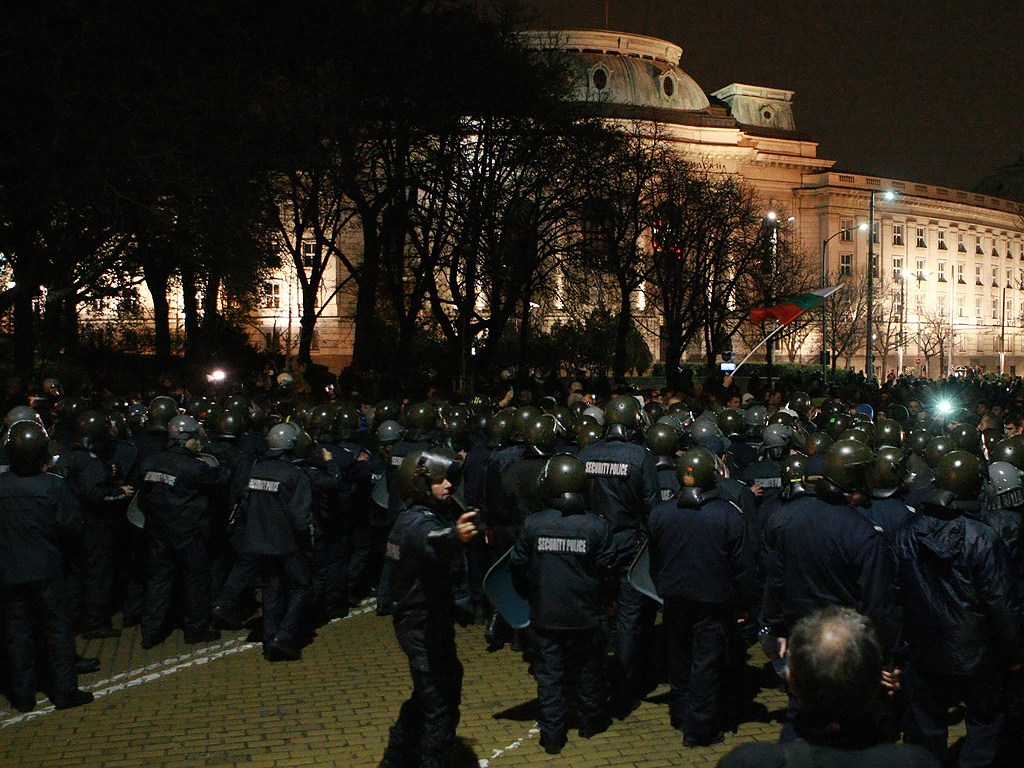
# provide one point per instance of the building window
(977, 274)
(995, 277)
(897, 234)
(847, 227)
(940, 302)
(1009, 311)
(995, 309)
(961, 343)
(874, 265)
(874, 234)
(272, 295)
(1009, 277)
(1009, 343)
(961, 246)
(599, 78)
(942, 271)
(977, 307)
(897, 268)
(995, 249)
(921, 242)
(669, 85)
(845, 264)
(308, 253)
(959, 306)
(960, 274)
(979, 246)
(920, 273)
(942, 240)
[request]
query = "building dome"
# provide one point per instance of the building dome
(1007, 182)
(623, 68)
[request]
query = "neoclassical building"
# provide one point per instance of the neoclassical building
(955, 258)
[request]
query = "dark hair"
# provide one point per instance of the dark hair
(835, 659)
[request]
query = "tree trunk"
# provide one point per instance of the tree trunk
(623, 326)
(24, 326)
(156, 281)
(190, 308)
(307, 322)
(208, 330)
(673, 352)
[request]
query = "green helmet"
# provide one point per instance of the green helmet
(183, 428)
(231, 422)
(624, 410)
(22, 413)
(888, 473)
(959, 472)
(283, 437)
(303, 448)
(455, 430)
(846, 465)
(199, 407)
(755, 419)
(1010, 450)
(698, 469)
(161, 410)
(27, 447)
(500, 428)
(238, 403)
(389, 432)
(422, 469)
(818, 443)
(793, 474)
(388, 410)
(937, 448)
(800, 403)
(421, 417)
(654, 411)
(966, 437)
(837, 424)
(346, 422)
(662, 440)
(589, 433)
(321, 419)
(917, 440)
(888, 432)
(562, 483)
(782, 417)
(730, 422)
(777, 439)
(521, 420)
(91, 425)
(543, 433)
(563, 416)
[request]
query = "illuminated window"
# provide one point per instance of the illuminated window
(845, 264)
(977, 274)
(942, 271)
(272, 295)
(960, 245)
(942, 240)
(897, 268)
(979, 246)
(959, 306)
(960, 274)
(847, 227)
(920, 270)
(897, 234)
(308, 253)
(921, 241)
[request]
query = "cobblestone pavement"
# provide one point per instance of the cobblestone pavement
(222, 704)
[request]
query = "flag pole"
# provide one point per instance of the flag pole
(763, 341)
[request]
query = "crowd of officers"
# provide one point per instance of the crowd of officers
(185, 512)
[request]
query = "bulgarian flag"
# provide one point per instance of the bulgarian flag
(789, 308)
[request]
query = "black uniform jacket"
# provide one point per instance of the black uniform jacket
(622, 483)
(174, 494)
(37, 513)
(277, 507)
(561, 562)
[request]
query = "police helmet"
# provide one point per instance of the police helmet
(283, 437)
(626, 411)
(818, 443)
(183, 428)
(698, 468)
(800, 403)
(422, 469)
(231, 423)
(917, 440)
(27, 447)
(755, 418)
(161, 410)
(1010, 450)
(888, 432)
(966, 437)
(346, 421)
(936, 448)
(899, 414)
(837, 424)
(959, 473)
(846, 465)
(589, 433)
(662, 440)
(595, 413)
(421, 417)
(784, 417)
(562, 483)
(500, 428)
(22, 413)
(777, 439)
(889, 472)
(521, 419)
(543, 434)
(388, 410)
(1006, 484)
(89, 426)
(730, 422)
(793, 474)
(389, 432)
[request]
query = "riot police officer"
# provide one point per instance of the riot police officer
(430, 592)
(697, 555)
(562, 560)
(40, 514)
(174, 496)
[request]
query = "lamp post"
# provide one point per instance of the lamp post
(824, 284)
(869, 369)
(773, 221)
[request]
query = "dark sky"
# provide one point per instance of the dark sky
(925, 91)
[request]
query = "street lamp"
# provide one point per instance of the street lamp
(869, 368)
(824, 281)
(773, 221)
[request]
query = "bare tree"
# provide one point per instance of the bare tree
(846, 313)
(934, 337)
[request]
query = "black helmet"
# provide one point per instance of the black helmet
(846, 465)
(421, 417)
(161, 410)
(937, 448)
(563, 416)
(499, 430)
(889, 472)
(777, 439)
(346, 422)
(321, 419)
(89, 426)
(1010, 450)
(27, 447)
(543, 434)
(730, 422)
(562, 483)
(697, 471)
(183, 428)
(589, 433)
(959, 473)
(389, 432)
(238, 403)
(22, 413)
(654, 411)
(422, 469)
(388, 410)
(818, 443)
(521, 420)
(800, 403)
(755, 418)
(887, 432)
(624, 410)
(837, 424)
(794, 475)
(232, 422)
(784, 417)
(455, 430)
(662, 440)
(966, 437)
(899, 414)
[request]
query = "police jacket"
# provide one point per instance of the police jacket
(331, 499)
(767, 474)
(474, 476)
(277, 509)
(500, 508)
(960, 600)
(743, 453)
(697, 553)
(522, 485)
(668, 478)
(831, 554)
(92, 483)
(561, 561)
(622, 484)
(175, 492)
(428, 567)
(37, 514)
(888, 514)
